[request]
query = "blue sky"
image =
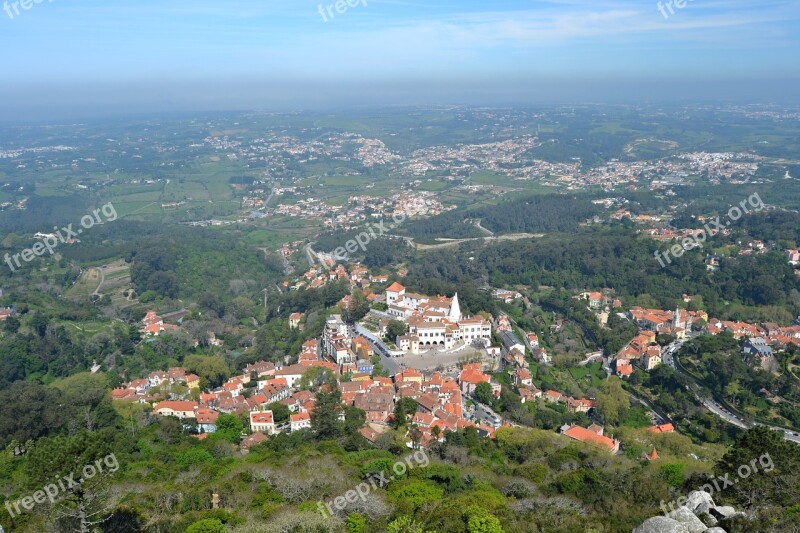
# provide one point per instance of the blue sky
(262, 53)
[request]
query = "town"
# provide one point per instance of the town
(446, 390)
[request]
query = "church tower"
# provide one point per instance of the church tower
(677, 321)
(455, 310)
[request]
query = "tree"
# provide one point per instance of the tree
(317, 377)
(356, 523)
(29, 410)
(241, 307)
(208, 525)
(395, 329)
(404, 524)
(479, 520)
(325, 415)
(415, 434)
(38, 323)
(412, 494)
(280, 413)
(612, 401)
(771, 465)
(404, 409)
(357, 308)
(354, 419)
(212, 368)
(12, 324)
(483, 393)
(85, 456)
(674, 473)
(123, 520)
(83, 389)
(212, 302)
(229, 427)
(732, 391)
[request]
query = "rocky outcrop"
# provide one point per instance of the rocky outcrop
(698, 515)
(686, 517)
(661, 524)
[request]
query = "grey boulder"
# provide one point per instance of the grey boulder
(699, 501)
(661, 524)
(688, 519)
(724, 511)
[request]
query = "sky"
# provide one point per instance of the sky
(64, 57)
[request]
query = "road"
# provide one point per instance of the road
(731, 418)
(721, 412)
(486, 231)
(310, 255)
(485, 413)
(392, 364)
(668, 355)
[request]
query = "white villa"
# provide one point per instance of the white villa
(434, 322)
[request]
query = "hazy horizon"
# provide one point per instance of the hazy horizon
(93, 58)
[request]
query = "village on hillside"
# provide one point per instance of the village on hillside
(445, 361)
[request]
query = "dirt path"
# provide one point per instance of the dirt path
(102, 280)
(450, 243)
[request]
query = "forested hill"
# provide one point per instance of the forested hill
(531, 214)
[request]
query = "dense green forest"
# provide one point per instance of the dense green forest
(756, 287)
(534, 214)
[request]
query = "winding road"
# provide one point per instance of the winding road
(714, 406)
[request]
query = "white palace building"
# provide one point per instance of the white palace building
(434, 322)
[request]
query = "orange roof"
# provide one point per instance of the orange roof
(663, 428)
(473, 376)
(369, 434)
(395, 287)
(333, 367)
(584, 435)
(252, 440)
(119, 394)
(261, 417)
(206, 416)
(652, 456)
(625, 370)
(276, 382)
(176, 405)
(408, 373)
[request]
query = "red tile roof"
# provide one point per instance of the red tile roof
(584, 435)
(663, 428)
